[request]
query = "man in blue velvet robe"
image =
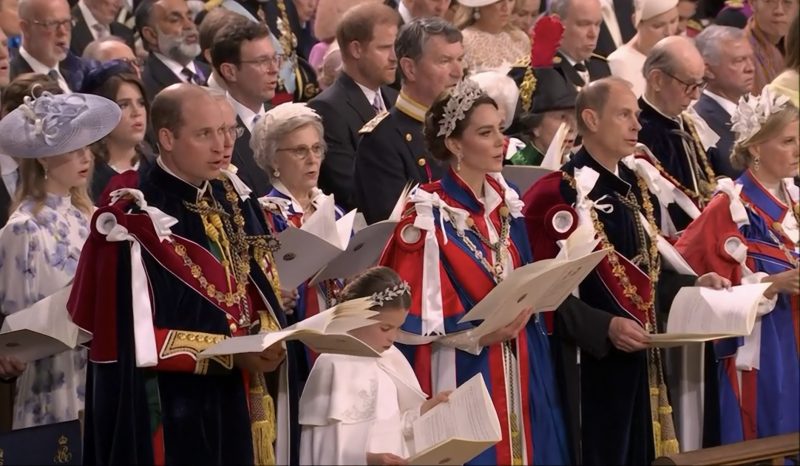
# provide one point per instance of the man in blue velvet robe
(169, 271)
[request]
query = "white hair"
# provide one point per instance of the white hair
(277, 124)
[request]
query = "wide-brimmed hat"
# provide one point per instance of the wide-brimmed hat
(52, 125)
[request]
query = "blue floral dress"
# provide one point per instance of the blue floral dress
(38, 256)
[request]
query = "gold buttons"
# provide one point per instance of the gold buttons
(421, 162)
(409, 137)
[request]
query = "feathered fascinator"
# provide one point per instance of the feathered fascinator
(753, 111)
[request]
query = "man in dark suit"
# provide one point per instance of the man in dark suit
(46, 29)
(366, 35)
(243, 56)
(96, 19)
(170, 36)
(729, 73)
(578, 62)
(617, 27)
(392, 150)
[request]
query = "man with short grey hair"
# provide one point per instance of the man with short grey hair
(582, 20)
(392, 149)
(46, 30)
(730, 72)
(674, 71)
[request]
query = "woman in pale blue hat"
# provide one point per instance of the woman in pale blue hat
(41, 243)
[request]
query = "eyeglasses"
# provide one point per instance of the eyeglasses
(689, 88)
(53, 24)
(265, 62)
(304, 152)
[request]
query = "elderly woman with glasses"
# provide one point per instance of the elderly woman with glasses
(288, 144)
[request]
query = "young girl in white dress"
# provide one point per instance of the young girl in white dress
(41, 243)
(360, 410)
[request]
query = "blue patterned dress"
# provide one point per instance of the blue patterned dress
(38, 256)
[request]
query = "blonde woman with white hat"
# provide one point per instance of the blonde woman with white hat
(654, 20)
(41, 243)
(491, 41)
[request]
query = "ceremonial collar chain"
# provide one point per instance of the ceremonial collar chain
(651, 256)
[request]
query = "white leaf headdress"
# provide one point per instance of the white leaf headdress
(389, 294)
(462, 97)
(753, 111)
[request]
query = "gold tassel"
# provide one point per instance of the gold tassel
(262, 421)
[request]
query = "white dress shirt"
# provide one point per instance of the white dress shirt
(726, 104)
(41, 68)
(175, 67)
(247, 116)
(370, 95)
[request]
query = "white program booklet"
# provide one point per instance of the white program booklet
(702, 314)
(458, 430)
(325, 332)
(542, 285)
(324, 249)
(41, 330)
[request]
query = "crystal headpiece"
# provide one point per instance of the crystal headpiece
(462, 97)
(389, 294)
(753, 111)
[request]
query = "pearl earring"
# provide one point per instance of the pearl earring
(276, 173)
(756, 163)
(458, 162)
(476, 14)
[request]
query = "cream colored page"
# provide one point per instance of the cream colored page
(698, 310)
(468, 414)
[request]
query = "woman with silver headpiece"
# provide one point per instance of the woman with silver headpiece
(458, 239)
(288, 143)
(41, 243)
(749, 233)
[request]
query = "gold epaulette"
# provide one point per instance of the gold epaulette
(595, 55)
(371, 124)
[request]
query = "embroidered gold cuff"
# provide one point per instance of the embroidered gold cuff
(182, 342)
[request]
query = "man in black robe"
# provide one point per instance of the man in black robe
(675, 70)
(181, 267)
(614, 384)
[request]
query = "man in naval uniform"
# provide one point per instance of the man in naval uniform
(582, 20)
(392, 150)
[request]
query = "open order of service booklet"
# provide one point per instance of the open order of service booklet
(41, 330)
(701, 314)
(458, 430)
(325, 332)
(542, 285)
(325, 248)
